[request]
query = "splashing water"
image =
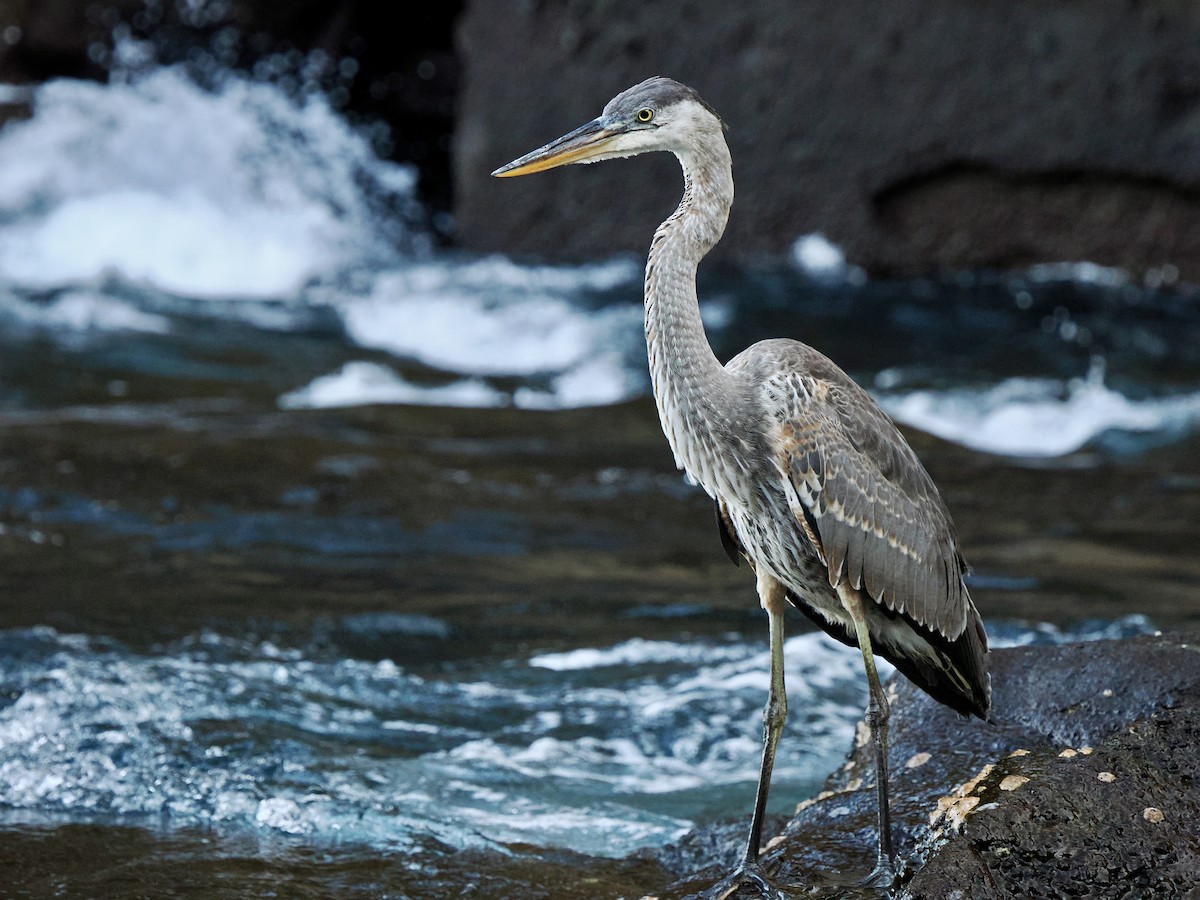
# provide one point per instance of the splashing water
(1039, 417)
(239, 191)
(215, 730)
(602, 750)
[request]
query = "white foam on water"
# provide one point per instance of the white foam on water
(239, 191)
(821, 259)
(636, 651)
(601, 380)
(602, 750)
(1038, 417)
(15, 93)
(283, 814)
(219, 730)
(358, 383)
(1022, 634)
(184, 244)
(491, 316)
(596, 382)
(80, 311)
(691, 725)
(1083, 272)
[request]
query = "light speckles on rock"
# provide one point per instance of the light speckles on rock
(954, 808)
(970, 786)
(824, 795)
(1012, 782)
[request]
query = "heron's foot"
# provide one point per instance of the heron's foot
(749, 874)
(884, 876)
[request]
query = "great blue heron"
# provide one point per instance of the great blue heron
(813, 483)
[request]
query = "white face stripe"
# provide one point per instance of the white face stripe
(629, 143)
(673, 129)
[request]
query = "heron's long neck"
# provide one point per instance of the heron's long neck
(691, 387)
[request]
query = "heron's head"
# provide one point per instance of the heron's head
(658, 114)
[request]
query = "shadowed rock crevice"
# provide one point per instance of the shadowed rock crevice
(973, 214)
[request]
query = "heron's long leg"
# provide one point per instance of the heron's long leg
(877, 723)
(773, 597)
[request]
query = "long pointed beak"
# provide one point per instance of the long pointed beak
(581, 145)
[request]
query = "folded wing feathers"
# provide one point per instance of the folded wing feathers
(880, 520)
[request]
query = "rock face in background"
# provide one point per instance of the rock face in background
(918, 135)
(1087, 784)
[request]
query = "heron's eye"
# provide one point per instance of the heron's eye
(645, 115)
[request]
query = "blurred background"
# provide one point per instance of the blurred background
(340, 550)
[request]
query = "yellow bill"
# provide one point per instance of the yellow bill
(582, 145)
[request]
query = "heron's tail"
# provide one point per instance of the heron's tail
(952, 672)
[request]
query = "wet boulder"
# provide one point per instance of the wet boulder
(1086, 784)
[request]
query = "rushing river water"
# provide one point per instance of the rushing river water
(337, 564)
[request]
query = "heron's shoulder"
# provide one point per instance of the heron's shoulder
(807, 399)
(782, 363)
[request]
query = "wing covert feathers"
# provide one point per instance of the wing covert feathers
(879, 522)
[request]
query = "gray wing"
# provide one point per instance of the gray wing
(859, 492)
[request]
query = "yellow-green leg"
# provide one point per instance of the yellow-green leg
(773, 597)
(884, 873)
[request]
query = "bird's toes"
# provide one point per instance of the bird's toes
(749, 875)
(884, 876)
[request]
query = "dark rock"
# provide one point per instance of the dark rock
(1087, 784)
(915, 135)
(42, 39)
(1119, 822)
